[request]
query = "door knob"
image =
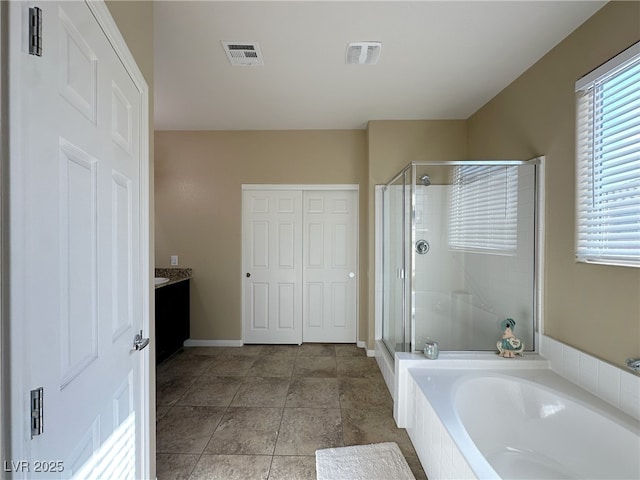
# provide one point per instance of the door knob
(352, 274)
(138, 342)
(248, 274)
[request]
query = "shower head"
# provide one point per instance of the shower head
(426, 181)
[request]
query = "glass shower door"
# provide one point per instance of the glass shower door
(395, 224)
(476, 265)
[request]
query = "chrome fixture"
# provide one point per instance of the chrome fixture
(139, 342)
(431, 350)
(426, 181)
(634, 364)
(422, 247)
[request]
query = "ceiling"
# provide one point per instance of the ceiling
(439, 59)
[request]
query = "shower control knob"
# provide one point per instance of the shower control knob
(422, 247)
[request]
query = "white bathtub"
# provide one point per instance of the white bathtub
(517, 424)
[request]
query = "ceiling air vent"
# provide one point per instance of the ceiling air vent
(243, 53)
(363, 53)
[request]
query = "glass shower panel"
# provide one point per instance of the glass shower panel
(394, 251)
(473, 254)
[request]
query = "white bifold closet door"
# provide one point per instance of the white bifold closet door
(272, 266)
(299, 266)
(329, 266)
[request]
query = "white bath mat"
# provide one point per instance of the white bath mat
(378, 461)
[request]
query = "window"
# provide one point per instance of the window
(608, 162)
(484, 209)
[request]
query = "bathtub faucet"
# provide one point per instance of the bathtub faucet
(634, 364)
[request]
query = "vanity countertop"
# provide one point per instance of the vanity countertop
(174, 275)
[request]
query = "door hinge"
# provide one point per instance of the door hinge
(35, 31)
(36, 411)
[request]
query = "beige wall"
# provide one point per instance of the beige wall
(593, 308)
(198, 180)
(135, 22)
(198, 199)
(394, 144)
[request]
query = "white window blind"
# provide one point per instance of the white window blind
(484, 210)
(608, 162)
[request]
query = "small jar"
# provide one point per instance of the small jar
(431, 350)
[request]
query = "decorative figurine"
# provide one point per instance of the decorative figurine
(509, 346)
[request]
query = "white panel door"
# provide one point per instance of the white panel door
(330, 266)
(77, 273)
(272, 266)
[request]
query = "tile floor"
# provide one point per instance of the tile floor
(261, 411)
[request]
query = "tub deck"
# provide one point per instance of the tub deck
(440, 404)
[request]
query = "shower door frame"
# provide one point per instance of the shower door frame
(405, 325)
(538, 246)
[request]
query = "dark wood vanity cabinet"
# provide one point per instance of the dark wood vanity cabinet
(172, 318)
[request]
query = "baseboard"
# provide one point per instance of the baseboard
(370, 353)
(238, 343)
(212, 343)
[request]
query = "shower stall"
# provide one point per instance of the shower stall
(459, 254)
